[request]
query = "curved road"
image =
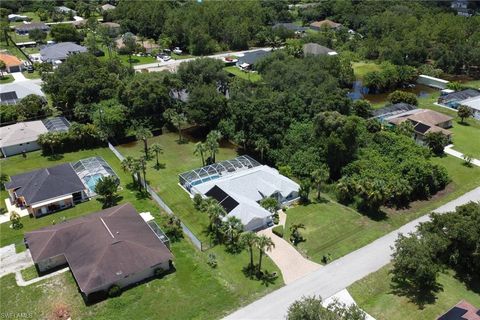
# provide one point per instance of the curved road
(339, 274)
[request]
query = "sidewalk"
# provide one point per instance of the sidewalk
(448, 150)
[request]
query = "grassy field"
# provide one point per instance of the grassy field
(6, 79)
(360, 69)
(34, 75)
(29, 273)
(373, 294)
(250, 76)
(337, 230)
(194, 290)
(176, 158)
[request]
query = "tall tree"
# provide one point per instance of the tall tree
(157, 149)
(212, 143)
(143, 133)
(179, 120)
(249, 240)
(261, 145)
(231, 230)
(318, 177)
(464, 112)
(200, 149)
(107, 188)
(264, 244)
(128, 165)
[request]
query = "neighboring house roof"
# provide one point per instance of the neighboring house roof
(56, 124)
(111, 24)
(107, 7)
(252, 57)
(473, 103)
(316, 49)
(460, 95)
(430, 117)
(47, 183)
(424, 121)
(290, 26)
(11, 93)
(60, 51)
(101, 248)
(31, 26)
(10, 61)
(461, 311)
(65, 9)
(326, 22)
(21, 132)
(393, 109)
(241, 191)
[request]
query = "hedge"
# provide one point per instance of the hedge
(278, 230)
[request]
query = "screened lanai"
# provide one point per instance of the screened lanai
(56, 124)
(91, 170)
(216, 170)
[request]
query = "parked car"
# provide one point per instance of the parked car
(177, 50)
(163, 57)
(30, 68)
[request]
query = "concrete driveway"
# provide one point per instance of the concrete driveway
(11, 262)
(341, 273)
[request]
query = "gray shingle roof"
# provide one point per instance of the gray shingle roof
(43, 184)
(253, 56)
(101, 248)
(461, 95)
(316, 49)
(32, 26)
(60, 51)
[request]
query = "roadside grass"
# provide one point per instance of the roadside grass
(374, 295)
(176, 158)
(249, 76)
(125, 58)
(360, 69)
(6, 78)
(473, 84)
(335, 230)
(29, 273)
(181, 56)
(34, 75)
(194, 290)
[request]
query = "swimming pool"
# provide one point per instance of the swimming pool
(199, 181)
(91, 181)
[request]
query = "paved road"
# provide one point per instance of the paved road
(339, 274)
(172, 65)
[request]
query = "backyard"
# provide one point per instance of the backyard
(335, 230)
(194, 290)
(374, 295)
(360, 69)
(250, 76)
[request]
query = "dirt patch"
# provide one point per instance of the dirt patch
(60, 311)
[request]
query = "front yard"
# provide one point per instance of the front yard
(374, 295)
(249, 76)
(335, 230)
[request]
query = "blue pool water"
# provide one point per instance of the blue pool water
(91, 181)
(199, 181)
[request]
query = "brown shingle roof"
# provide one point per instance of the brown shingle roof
(101, 248)
(430, 117)
(326, 22)
(10, 61)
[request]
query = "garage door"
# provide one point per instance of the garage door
(14, 69)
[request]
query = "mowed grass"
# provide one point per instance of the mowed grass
(176, 158)
(360, 69)
(374, 295)
(249, 76)
(334, 229)
(6, 78)
(193, 291)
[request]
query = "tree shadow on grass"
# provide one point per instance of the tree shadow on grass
(107, 204)
(159, 166)
(321, 200)
(55, 157)
(465, 124)
(267, 278)
(142, 195)
(419, 295)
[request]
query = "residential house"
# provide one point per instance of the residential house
(298, 30)
(461, 6)
(453, 100)
(315, 49)
(12, 93)
(239, 185)
(17, 17)
(432, 81)
(473, 104)
(248, 60)
(461, 311)
(111, 247)
(107, 7)
(65, 10)
(25, 28)
(46, 190)
(424, 121)
(60, 51)
(391, 110)
(12, 63)
(317, 25)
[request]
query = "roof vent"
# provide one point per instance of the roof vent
(119, 273)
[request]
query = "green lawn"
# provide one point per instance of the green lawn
(181, 56)
(34, 75)
(337, 230)
(194, 290)
(360, 69)
(373, 294)
(29, 273)
(250, 76)
(177, 159)
(473, 83)
(6, 79)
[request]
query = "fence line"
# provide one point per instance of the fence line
(162, 204)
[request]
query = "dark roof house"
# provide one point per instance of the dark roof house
(60, 51)
(459, 95)
(112, 246)
(325, 23)
(315, 49)
(27, 27)
(461, 311)
(250, 58)
(44, 184)
(290, 26)
(392, 109)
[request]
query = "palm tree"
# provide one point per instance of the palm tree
(179, 120)
(128, 165)
(296, 237)
(143, 133)
(231, 230)
(157, 148)
(142, 165)
(261, 146)
(212, 143)
(200, 149)
(249, 240)
(318, 176)
(215, 214)
(264, 244)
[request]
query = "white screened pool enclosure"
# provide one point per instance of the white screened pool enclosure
(91, 170)
(216, 170)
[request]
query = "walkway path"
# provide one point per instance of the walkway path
(345, 298)
(10, 261)
(290, 262)
(448, 150)
(341, 273)
(18, 76)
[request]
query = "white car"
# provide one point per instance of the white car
(177, 50)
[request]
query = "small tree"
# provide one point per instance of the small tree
(173, 228)
(318, 176)
(128, 165)
(130, 44)
(15, 220)
(179, 120)
(107, 187)
(464, 112)
(264, 244)
(311, 308)
(296, 237)
(231, 230)
(37, 35)
(436, 141)
(467, 160)
(249, 240)
(3, 66)
(142, 166)
(3, 179)
(200, 149)
(304, 191)
(401, 96)
(157, 149)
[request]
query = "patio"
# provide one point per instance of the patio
(10, 208)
